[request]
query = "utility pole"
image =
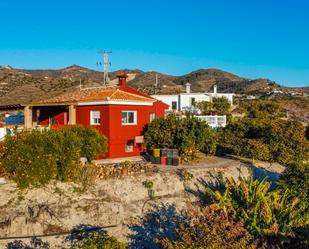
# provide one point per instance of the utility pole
(106, 64)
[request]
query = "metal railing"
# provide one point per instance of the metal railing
(214, 121)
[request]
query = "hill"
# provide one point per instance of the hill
(22, 85)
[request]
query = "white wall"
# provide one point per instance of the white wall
(184, 100)
(167, 99)
(2, 133)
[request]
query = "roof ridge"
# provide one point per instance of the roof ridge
(133, 94)
(96, 87)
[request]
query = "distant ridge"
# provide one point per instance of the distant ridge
(34, 84)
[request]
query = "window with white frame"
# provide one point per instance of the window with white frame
(129, 117)
(95, 117)
(152, 116)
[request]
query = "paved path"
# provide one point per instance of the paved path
(208, 162)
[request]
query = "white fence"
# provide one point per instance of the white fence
(4, 131)
(214, 121)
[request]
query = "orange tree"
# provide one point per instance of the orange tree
(267, 139)
(35, 158)
(188, 135)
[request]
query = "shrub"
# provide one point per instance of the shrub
(260, 108)
(295, 179)
(92, 143)
(99, 241)
(221, 105)
(27, 157)
(264, 212)
(188, 135)
(162, 132)
(265, 139)
(35, 158)
(209, 229)
(204, 106)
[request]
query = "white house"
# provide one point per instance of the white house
(185, 101)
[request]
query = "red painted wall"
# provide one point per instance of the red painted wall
(83, 118)
(111, 125)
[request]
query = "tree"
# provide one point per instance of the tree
(188, 135)
(268, 139)
(256, 149)
(204, 106)
(260, 108)
(221, 105)
(161, 132)
(34, 158)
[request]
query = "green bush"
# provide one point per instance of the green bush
(267, 139)
(99, 241)
(34, 158)
(93, 143)
(188, 135)
(295, 179)
(260, 108)
(221, 106)
(264, 212)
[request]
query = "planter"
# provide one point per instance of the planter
(163, 160)
(169, 161)
(124, 171)
(156, 152)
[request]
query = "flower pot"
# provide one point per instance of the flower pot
(124, 171)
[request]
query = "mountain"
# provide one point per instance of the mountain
(22, 85)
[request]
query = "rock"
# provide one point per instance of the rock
(2, 181)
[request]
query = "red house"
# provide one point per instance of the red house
(121, 113)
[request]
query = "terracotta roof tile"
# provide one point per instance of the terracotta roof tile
(94, 94)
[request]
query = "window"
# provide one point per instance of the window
(152, 116)
(95, 117)
(129, 117)
(129, 146)
(192, 101)
(174, 105)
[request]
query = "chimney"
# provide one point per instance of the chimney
(188, 88)
(122, 79)
(215, 89)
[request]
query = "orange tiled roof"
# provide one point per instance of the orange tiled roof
(95, 94)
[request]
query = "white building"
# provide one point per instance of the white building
(185, 101)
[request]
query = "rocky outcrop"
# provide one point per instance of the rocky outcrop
(111, 203)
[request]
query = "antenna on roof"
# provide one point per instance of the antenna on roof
(106, 64)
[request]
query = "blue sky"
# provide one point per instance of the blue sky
(251, 38)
